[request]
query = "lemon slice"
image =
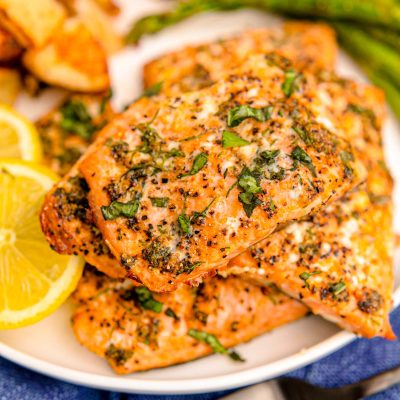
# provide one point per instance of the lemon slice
(34, 280)
(18, 136)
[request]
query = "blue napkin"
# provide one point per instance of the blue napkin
(360, 359)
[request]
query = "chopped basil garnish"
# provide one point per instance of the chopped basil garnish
(249, 184)
(299, 155)
(153, 90)
(271, 205)
(214, 343)
(117, 209)
(249, 181)
(347, 158)
(187, 266)
(157, 255)
(304, 276)
(198, 163)
(184, 223)
(289, 84)
(303, 134)
(230, 139)
(169, 312)
(200, 214)
(118, 355)
(174, 153)
(337, 288)
(75, 118)
(161, 202)
(356, 108)
(250, 202)
(277, 173)
(238, 114)
(269, 156)
(105, 100)
(146, 300)
(149, 136)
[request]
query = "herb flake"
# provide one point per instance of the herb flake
(75, 118)
(146, 300)
(337, 288)
(118, 355)
(153, 90)
(199, 162)
(238, 114)
(289, 85)
(269, 156)
(304, 276)
(347, 158)
(184, 223)
(230, 139)
(169, 312)
(248, 181)
(299, 155)
(160, 202)
(117, 209)
(214, 343)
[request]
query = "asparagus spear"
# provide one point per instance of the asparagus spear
(392, 92)
(379, 12)
(387, 36)
(184, 9)
(379, 61)
(379, 56)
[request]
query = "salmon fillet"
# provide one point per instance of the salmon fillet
(69, 234)
(136, 331)
(311, 46)
(68, 129)
(340, 262)
(225, 180)
(66, 133)
(357, 110)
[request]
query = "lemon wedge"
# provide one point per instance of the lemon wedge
(34, 280)
(18, 136)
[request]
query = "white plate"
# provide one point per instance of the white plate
(49, 347)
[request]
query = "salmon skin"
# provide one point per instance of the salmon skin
(134, 335)
(340, 262)
(189, 182)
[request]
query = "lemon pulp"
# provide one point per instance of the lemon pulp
(34, 280)
(18, 136)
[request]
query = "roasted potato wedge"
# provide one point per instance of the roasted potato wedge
(99, 24)
(10, 84)
(108, 6)
(73, 60)
(33, 23)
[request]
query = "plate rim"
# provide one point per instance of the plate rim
(180, 386)
(186, 386)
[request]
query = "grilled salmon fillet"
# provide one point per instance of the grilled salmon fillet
(66, 133)
(340, 262)
(312, 46)
(68, 129)
(136, 330)
(189, 182)
(72, 232)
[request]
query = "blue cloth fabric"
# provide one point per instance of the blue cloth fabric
(360, 359)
